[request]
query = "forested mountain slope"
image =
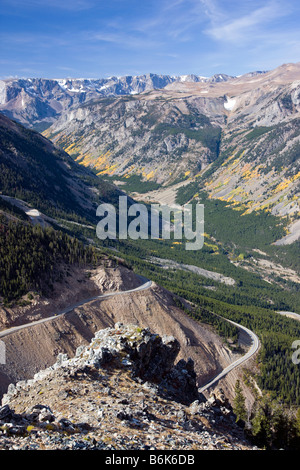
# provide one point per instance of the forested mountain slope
(34, 170)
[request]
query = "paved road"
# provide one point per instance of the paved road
(293, 315)
(253, 349)
(7, 332)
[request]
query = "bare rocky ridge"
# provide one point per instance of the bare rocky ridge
(145, 134)
(160, 136)
(122, 391)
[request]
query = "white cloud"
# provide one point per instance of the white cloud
(71, 5)
(124, 39)
(243, 27)
(173, 19)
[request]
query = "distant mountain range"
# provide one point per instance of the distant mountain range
(37, 102)
(236, 137)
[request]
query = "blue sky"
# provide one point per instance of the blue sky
(96, 38)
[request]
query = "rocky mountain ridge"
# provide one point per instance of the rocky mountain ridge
(34, 348)
(40, 101)
(123, 391)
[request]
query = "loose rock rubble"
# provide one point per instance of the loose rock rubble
(122, 392)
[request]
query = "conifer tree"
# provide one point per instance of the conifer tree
(239, 406)
(262, 422)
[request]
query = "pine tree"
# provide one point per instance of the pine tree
(262, 422)
(282, 427)
(239, 406)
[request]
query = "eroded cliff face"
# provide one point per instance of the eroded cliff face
(161, 138)
(77, 284)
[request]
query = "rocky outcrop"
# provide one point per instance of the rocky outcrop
(122, 391)
(150, 357)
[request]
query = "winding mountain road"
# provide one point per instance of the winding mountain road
(7, 332)
(147, 284)
(253, 349)
(293, 315)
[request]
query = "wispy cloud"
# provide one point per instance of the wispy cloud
(244, 27)
(170, 22)
(70, 5)
(173, 20)
(123, 39)
(36, 40)
(212, 10)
